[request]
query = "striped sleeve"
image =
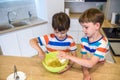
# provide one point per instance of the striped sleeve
(83, 42)
(72, 43)
(40, 41)
(102, 49)
(73, 46)
(43, 40)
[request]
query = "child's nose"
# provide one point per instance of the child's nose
(59, 35)
(84, 30)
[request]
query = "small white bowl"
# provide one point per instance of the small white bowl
(21, 75)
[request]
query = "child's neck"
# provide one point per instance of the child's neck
(95, 37)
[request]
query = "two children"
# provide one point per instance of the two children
(59, 40)
(93, 43)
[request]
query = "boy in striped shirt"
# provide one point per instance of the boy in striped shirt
(93, 43)
(59, 40)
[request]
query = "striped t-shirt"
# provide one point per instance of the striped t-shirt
(98, 48)
(52, 43)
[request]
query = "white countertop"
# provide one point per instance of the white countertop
(32, 22)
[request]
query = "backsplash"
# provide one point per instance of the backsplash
(79, 7)
(20, 8)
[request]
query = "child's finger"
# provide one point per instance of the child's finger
(59, 56)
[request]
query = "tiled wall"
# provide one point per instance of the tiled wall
(79, 7)
(19, 8)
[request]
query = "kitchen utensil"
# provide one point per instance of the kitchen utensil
(52, 63)
(15, 73)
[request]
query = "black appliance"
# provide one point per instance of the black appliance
(112, 32)
(117, 19)
(95, 0)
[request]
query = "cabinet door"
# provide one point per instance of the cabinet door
(24, 37)
(9, 44)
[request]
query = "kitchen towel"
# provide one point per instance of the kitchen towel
(113, 17)
(67, 11)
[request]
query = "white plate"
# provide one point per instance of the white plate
(21, 74)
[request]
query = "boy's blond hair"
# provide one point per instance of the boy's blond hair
(92, 15)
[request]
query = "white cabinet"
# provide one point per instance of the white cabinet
(9, 44)
(17, 43)
(74, 0)
(23, 37)
(75, 30)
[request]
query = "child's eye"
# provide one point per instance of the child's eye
(85, 27)
(56, 32)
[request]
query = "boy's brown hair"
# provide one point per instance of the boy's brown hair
(60, 21)
(92, 15)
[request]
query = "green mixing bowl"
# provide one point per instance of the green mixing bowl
(52, 64)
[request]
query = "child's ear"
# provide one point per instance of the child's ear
(97, 25)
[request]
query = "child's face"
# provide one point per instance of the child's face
(90, 28)
(61, 35)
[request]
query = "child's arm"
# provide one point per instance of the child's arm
(85, 69)
(34, 43)
(84, 62)
(73, 53)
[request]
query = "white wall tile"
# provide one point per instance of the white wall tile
(21, 8)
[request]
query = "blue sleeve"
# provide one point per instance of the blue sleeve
(83, 52)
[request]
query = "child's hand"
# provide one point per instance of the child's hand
(42, 57)
(62, 55)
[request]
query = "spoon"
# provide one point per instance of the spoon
(15, 73)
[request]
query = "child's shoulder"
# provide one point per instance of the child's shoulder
(69, 36)
(49, 35)
(104, 38)
(84, 38)
(52, 35)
